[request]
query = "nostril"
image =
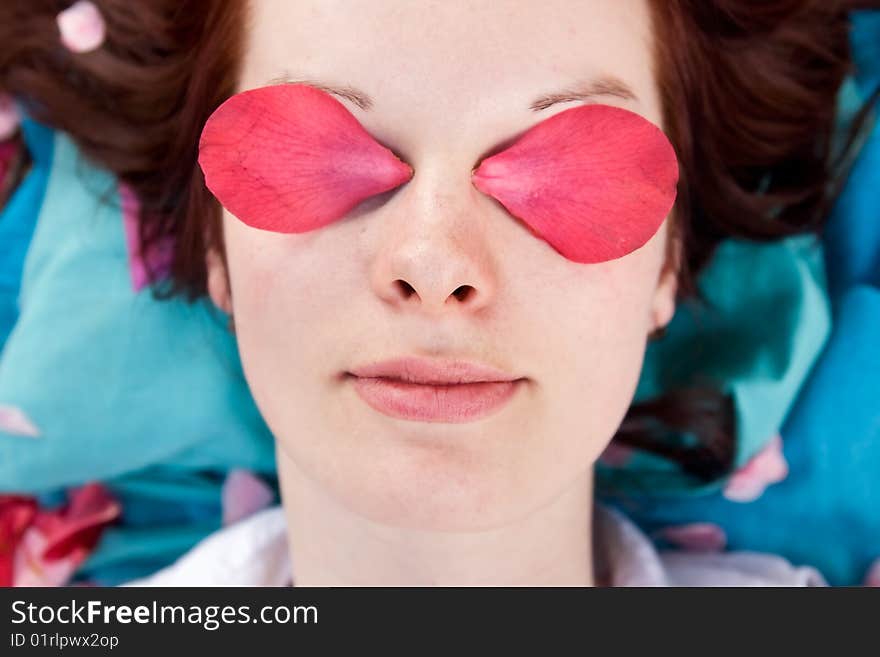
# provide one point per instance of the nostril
(406, 288)
(463, 292)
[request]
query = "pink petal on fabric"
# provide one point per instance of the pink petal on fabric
(872, 578)
(16, 515)
(160, 254)
(697, 536)
(82, 27)
(766, 467)
(14, 421)
(616, 456)
(79, 524)
(32, 568)
(244, 494)
(44, 548)
(9, 118)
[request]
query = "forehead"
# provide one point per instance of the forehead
(461, 67)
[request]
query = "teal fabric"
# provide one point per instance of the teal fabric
(166, 511)
(762, 321)
(119, 383)
(825, 512)
(18, 218)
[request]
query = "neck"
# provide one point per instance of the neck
(332, 546)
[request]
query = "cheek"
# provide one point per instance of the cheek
(595, 182)
(270, 278)
(597, 324)
(292, 158)
(279, 283)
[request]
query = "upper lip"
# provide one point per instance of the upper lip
(413, 369)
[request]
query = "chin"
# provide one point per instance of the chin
(440, 494)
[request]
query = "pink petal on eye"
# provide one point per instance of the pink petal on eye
(291, 158)
(872, 578)
(9, 118)
(244, 494)
(14, 421)
(82, 27)
(596, 182)
(697, 536)
(766, 467)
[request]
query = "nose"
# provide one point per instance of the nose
(435, 257)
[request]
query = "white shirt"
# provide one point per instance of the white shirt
(254, 552)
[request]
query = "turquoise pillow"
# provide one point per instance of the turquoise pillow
(764, 319)
(107, 380)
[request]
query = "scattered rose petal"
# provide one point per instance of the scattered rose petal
(78, 525)
(9, 118)
(159, 255)
(31, 568)
(14, 421)
(82, 27)
(616, 456)
(41, 547)
(872, 578)
(244, 494)
(16, 515)
(766, 467)
(697, 536)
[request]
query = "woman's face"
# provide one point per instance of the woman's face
(448, 82)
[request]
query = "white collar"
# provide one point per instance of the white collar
(254, 552)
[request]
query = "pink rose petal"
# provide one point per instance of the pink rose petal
(79, 524)
(31, 568)
(14, 421)
(9, 118)
(766, 467)
(291, 158)
(697, 536)
(45, 547)
(82, 27)
(16, 515)
(244, 494)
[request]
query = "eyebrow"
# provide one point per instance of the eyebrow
(601, 86)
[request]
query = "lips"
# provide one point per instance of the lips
(423, 370)
(434, 391)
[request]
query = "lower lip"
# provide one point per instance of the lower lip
(462, 402)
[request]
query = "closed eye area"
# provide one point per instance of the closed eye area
(292, 158)
(594, 181)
